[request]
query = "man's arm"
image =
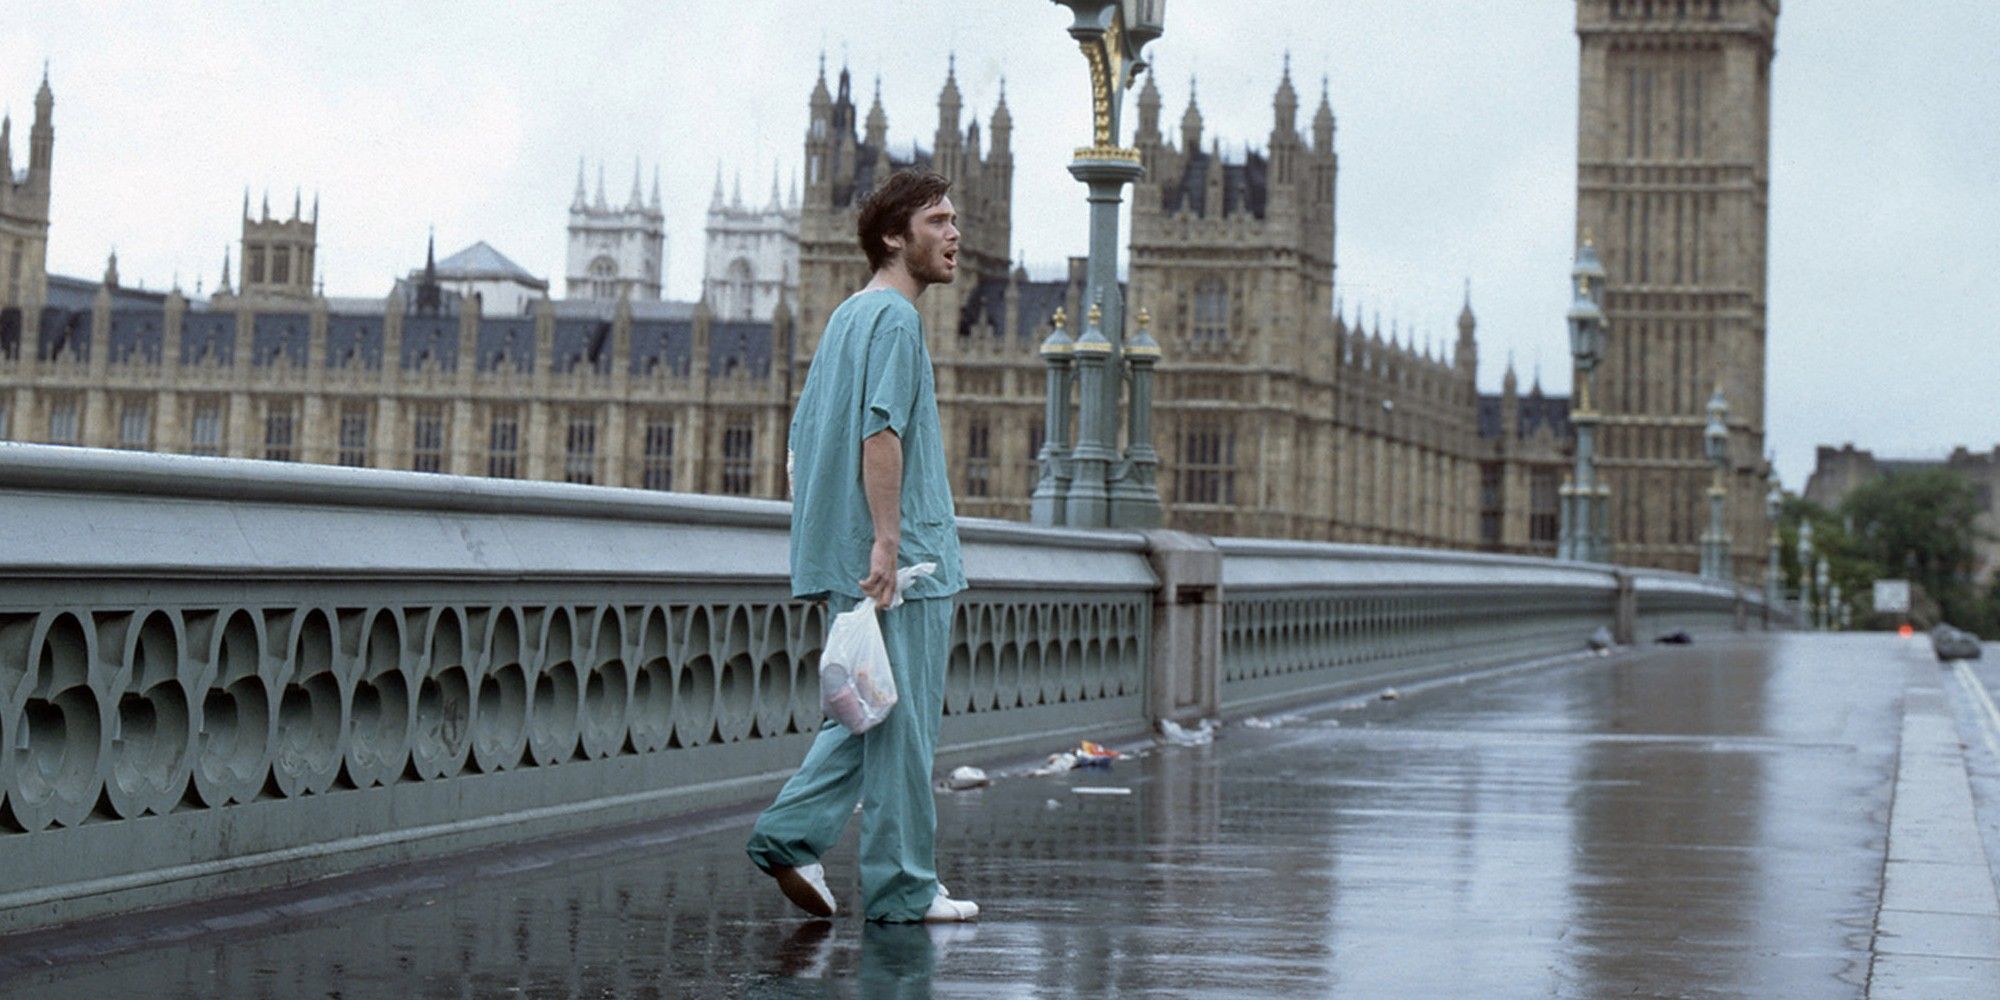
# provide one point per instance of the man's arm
(882, 484)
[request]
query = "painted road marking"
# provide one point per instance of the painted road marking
(1987, 714)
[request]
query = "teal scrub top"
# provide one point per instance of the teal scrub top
(872, 372)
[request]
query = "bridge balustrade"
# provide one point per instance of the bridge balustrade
(220, 675)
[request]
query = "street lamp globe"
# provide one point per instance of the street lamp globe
(1717, 434)
(1586, 329)
(1145, 20)
(1774, 504)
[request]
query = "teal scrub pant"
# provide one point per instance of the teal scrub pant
(888, 768)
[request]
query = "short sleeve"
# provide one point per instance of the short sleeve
(889, 392)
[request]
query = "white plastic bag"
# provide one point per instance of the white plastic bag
(856, 687)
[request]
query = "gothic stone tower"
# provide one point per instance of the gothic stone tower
(616, 250)
(1673, 156)
(278, 253)
(843, 166)
(24, 225)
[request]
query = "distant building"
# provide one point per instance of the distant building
(1673, 182)
(278, 255)
(752, 259)
(503, 287)
(616, 250)
(24, 224)
(1838, 472)
(1527, 450)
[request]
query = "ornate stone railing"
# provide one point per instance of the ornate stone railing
(1303, 617)
(218, 675)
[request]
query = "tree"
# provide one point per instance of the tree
(1919, 526)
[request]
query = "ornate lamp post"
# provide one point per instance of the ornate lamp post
(1823, 607)
(1583, 537)
(1805, 555)
(1774, 587)
(1112, 34)
(1715, 541)
(1135, 484)
(1046, 505)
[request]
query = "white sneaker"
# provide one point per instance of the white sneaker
(806, 887)
(946, 910)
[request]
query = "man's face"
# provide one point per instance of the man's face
(930, 251)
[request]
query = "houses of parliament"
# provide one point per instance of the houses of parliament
(1276, 415)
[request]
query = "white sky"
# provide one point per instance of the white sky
(1457, 139)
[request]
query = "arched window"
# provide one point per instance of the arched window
(738, 290)
(1211, 313)
(604, 278)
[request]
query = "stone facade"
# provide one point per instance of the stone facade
(618, 250)
(1673, 184)
(1276, 416)
(1838, 471)
(1526, 452)
(24, 223)
(752, 261)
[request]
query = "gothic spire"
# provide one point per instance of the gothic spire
(222, 286)
(638, 199)
(1285, 103)
(601, 205)
(1323, 119)
(877, 126)
(777, 202)
(715, 200)
(582, 199)
(656, 187)
(1191, 122)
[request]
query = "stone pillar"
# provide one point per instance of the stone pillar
(1087, 503)
(1184, 680)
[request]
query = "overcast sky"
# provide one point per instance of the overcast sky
(1457, 138)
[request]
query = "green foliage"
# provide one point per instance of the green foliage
(1917, 526)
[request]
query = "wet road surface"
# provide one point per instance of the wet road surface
(1705, 821)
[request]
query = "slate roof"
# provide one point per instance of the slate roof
(435, 337)
(1245, 186)
(137, 333)
(662, 344)
(354, 340)
(1535, 412)
(480, 262)
(1038, 303)
(735, 346)
(275, 335)
(208, 334)
(513, 336)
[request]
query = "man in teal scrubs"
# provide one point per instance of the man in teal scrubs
(869, 494)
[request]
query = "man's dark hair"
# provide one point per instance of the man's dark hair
(889, 208)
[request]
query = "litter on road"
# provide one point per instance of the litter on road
(966, 777)
(1182, 736)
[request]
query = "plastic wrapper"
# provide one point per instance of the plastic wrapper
(856, 687)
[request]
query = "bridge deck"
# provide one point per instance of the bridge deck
(1743, 817)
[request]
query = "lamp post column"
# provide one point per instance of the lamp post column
(1112, 35)
(1135, 499)
(1088, 503)
(1774, 586)
(1715, 541)
(1046, 505)
(1584, 500)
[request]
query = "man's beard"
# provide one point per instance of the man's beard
(923, 269)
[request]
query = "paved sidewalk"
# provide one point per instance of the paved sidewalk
(1706, 821)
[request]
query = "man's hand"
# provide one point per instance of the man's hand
(881, 581)
(882, 483)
